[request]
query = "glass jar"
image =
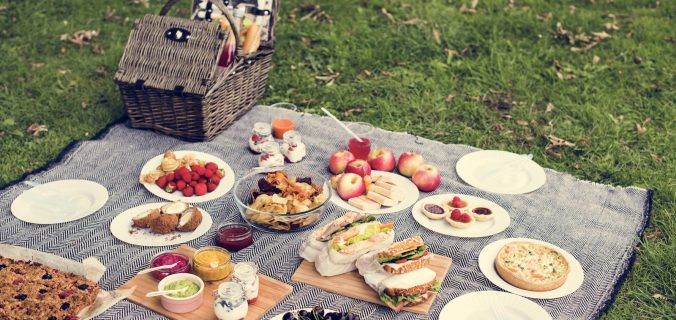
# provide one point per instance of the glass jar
(168, 258)
(293, 148)
(234, 236)
(212, 263)
(230, 301)
(270, 155)
(246, 274)
(261, 134)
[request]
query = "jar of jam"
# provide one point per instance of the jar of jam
(246, 274)
(270, 155)
(212, 263)
(230, 301)
(234, 236)
(168, 258)
(261, 133)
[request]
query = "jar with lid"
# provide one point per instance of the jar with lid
(246, 274)
(260, 134)
(270, 155)
(212, 263)
(293, 148)
(230, 301)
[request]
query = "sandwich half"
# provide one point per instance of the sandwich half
(409, 289)
(405, 256)
(346, 246)
(318, 239)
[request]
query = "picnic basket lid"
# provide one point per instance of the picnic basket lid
(172, 54)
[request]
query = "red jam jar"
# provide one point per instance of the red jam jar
(168, 258)
(360, 150)
(234, 236)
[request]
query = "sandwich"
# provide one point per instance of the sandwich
(318, 239)
(408, 289)
(346, 246)
(400, 257)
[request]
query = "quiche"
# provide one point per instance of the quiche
(531, 266)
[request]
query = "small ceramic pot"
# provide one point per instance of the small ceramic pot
(181, 305)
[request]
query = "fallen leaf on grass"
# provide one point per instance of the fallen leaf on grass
(654, 234)
(352, 111)
(449, 98)
(100, 71)
(315, 13)
(617, 120)
(578, 166)
(98, 49)
(414, 21)
(584, 142)
(561, 72)
(555, 143)
(501, 101)
(637, 59)
(37, 64)
(62, 71)
(550, 107)
(365, 73)
(81, 38)
(3, 7)
(329, 79)
(388, 15)
(572, 9)
(498, 127)
(466, 10)
(522, 122)
(437, 35)
(611, 26)
(141, 2)
(639, 128)
(657, 157)
(35, 129)
(659, 296)
(596, 59)
(387, 74)
(84, 104)
(545, 16)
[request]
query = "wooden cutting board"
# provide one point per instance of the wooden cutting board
(352, 285)
(271, 292)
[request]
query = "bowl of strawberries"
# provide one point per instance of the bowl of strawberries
(188, 176)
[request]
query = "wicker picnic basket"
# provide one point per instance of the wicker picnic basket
(171, 84)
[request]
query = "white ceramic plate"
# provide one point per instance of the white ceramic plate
(409, 189)
(59, 201)
(487, 266)
(226, 183)
(499, 223)
(492, 305)
(122, 228)
(281, 315)
(500, 172)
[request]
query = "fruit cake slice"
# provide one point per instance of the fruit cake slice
(30, 290)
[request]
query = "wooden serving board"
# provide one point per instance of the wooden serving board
(352, 285)
(271, 292)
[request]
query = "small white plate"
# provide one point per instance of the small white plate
(281, 315)
(500, 172)
(223, 187)
(59, 201)
(492, 305)
(487, 266)
(499, 223)
(122, 228)
(409, 189)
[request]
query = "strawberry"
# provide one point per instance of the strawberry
(202, 180)
(211, 166)
(211, 187)
(455, 214)
(186, 177)
(171, 187)
(465, 218)
(220, 173)
(180, 185)
(195, 176)
(215, 180)
(188, 191)
(161, 182)
(171, 176)
(193, 168)
(192, 183)
(181, 170)
(200, 189)
(208, 173)
(201, 170)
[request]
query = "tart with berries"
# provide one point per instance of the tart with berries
(34, 291)
(460, 219)
(455, 203)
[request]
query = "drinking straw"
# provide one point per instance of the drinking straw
(342, 125)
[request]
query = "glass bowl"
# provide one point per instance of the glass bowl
(279, 222)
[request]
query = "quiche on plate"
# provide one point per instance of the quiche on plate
(532, 266)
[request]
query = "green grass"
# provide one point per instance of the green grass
(396, 76)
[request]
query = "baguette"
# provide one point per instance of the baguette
(532, 266)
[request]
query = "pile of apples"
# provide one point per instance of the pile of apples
(353, 176)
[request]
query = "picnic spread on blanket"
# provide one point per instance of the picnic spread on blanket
(227, 210)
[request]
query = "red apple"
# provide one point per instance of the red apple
(409, 162)
(360, 167)
(427, 178)
(350, 185)
(382, 159)
(339, 161)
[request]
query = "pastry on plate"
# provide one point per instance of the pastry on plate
(190, 219)
(434, 211)
(459, 219)
(482, 214)
(531, 266)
